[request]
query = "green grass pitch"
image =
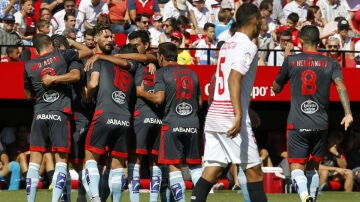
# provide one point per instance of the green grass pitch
(218, 196)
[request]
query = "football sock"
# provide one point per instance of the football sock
(14, 168)
(32, 181)
(177, 186)
(243, 185)
(115, 182)
(300, 183)
(155, 183)
(256, 191)
(196, 172)
(313, 183)
(201, 190)
(81, 189)
(59, 180)
(92, 178)
(134, 184)
(165, 193)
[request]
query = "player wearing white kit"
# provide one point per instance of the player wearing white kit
(228, 134)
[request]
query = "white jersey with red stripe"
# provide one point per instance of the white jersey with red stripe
(238, 53)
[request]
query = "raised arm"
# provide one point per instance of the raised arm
(83, 51)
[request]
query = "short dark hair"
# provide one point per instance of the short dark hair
(99, 28)
(294, 17)
(11, 49)
(128, 48)
(208, 25)
(285, 33)
(89, 32)
(59, 40)
(142, 34)
(220, 44)
(169, 51)
(139, 16)
(264, 5)
(245, 13)
(66, 16)
(41, 41)
(310, 34)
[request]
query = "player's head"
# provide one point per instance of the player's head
(141, 39)
(42, 43)
(248, 17)
(103, 39)
(128, 48)
(60, 41)
(168, 52)
(310, 35)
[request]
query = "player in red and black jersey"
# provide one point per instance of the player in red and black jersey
(46, 78)
(310, 74)
(178, 88)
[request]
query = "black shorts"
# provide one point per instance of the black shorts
(51, 129)
(79, 129)
(146, 136)
(179, 144)
(107, 129)
(303, 144)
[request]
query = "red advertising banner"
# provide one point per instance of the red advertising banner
(12, 82)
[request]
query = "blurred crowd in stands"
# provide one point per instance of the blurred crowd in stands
(195, 25)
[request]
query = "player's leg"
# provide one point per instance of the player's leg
(243, 184)
(156, 179)
(60, 174)
(91, 175)
(156, 169)
(255, 177)
(193, 155)
(32, 176)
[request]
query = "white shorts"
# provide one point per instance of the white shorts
(221, 150)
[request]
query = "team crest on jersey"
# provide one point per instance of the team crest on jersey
(51, 96)
(118, 97)
(247, 58)
(309, 107)
(184, 109)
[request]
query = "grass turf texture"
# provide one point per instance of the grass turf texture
(218, 196)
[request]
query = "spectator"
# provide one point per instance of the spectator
(225, 35)
(13, 54)
(89, 11)
(202, 15)
(266, 9)
(184, 28)
(333, 45)
(8, 35)
(352, 152)
(354, 6)
(70, 21)
(284, 48)
(149, 7)
(184, 57)
(57, 21)
(297, 6)
(265, 40)
(207, 42)
(278, 14)
(170, 25)
(346, 42)
(333, 166)
(89, 38)
(314, 17)
(215, 6)
(8, 7)
(20, 20)
(175, 8)
(224, 22)
(156, 30)
(357, 55)
(43, 27)
(142, 21)
(291, 23)
(119, 16)
(331, 9)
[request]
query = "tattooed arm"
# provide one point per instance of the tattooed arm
(344, 98)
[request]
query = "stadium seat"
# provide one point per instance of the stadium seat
(120, 39)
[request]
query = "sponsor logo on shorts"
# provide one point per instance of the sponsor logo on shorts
(118, 97)
(48, 117)
(153, 120)
(309, 107)
(184, 109)
(185, 130)
(117, 122)
(51, 96)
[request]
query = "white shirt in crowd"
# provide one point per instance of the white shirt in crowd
(89, 13)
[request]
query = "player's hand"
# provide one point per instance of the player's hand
(140, 89)
(235, 129)
(347, 121)
(152, 68)
(47, 80)
(90, 62)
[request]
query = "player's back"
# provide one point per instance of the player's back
(116, 89)
(56, 97)
(182, 91)
(311, 75)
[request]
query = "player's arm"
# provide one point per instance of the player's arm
(138, 57)
(234, 84)
(200, 101)
(344, 98)
(70, 77)
(28, 94)
(277, 88)
(92, 85)
(282, 77)
(83, 51)
(123, 63)
(158, 97)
